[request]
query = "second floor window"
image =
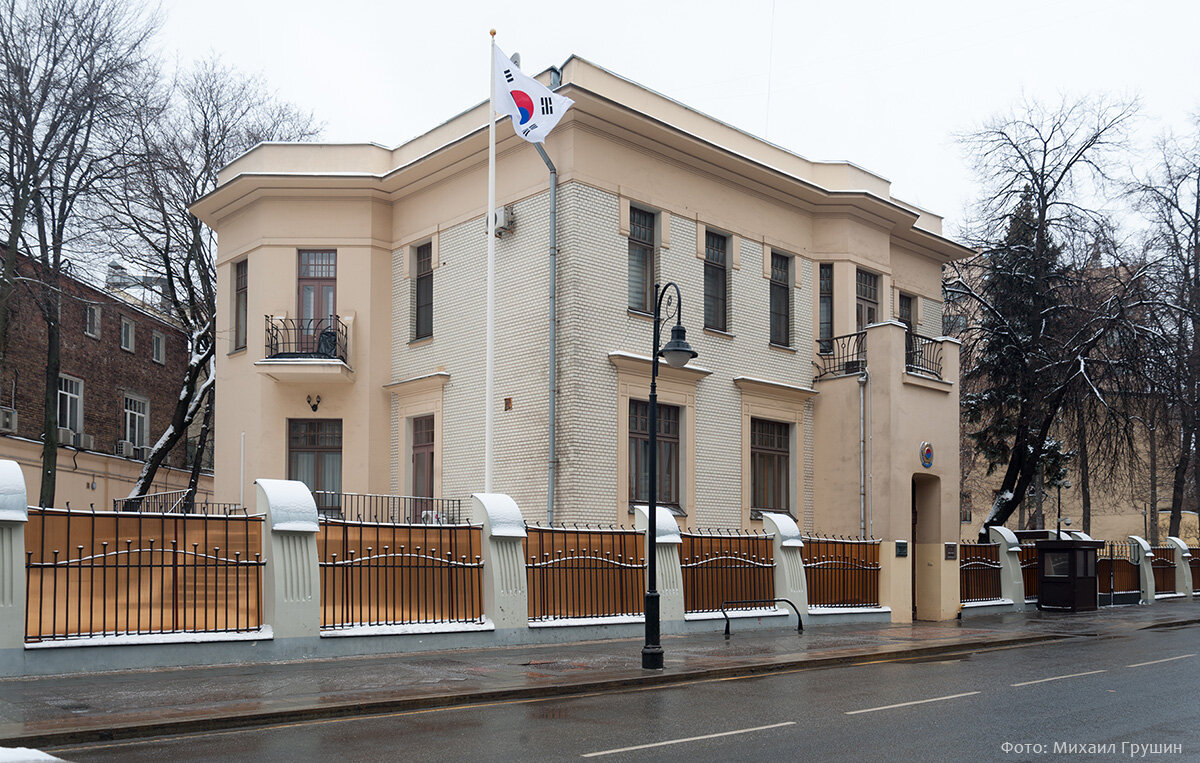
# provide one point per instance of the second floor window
(641, 260)
(781, 299)
(137, 420)
(906, 311)
(240, 281)
(825, 307)
(91, 324)
(867, 309)
(423, 293)
(126, 334)
(70, 403)
(158, 347)
(668, 454)
(716, 281)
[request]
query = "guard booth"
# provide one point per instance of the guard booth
(1067, 575)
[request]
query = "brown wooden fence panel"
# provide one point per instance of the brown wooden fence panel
(576, 573)
(1029, 570)
(94, 573)
(726, 567)
(841, 572)
(1115, 573)
(1163, 566)
(979, 571)
(389, 574)
(1194, 563)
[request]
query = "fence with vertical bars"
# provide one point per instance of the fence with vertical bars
(1115, 571)
(978, 571)
(720, 567)
(584, 572)
(1029, 570)
(101, 573)
(842, 572)
(1163, 566)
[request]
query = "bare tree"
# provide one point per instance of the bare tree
(71, 71)
(184, 136)
(1042, 315)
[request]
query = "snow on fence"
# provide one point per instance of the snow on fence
(842, 572)
(101, 573)
(584, 572)
(726, 566)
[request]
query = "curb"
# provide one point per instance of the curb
(106, 733)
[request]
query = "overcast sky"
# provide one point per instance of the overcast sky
(886, 85)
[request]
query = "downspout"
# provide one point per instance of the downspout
(870, 457)
(862, 454)
(551, 453)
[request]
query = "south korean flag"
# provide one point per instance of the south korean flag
(534, 109)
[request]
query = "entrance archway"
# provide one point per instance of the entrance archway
(926, 546)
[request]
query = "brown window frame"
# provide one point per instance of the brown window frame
(866, 292)
(670, 456)
(642, 224)
(780, 308)
(422, 295)
(423, 434)
(770, 459)
(241, 279)
(320, 451)
(825, 307)
(716, 281)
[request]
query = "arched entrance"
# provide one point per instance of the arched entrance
(927, 546)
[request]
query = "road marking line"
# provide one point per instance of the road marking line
(914, 702)
(1059, 678)
(1155, 662)
(688, 739)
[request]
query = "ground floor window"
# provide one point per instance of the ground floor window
(422, 456)
(668, 454)
(315, 458)
(770, 460)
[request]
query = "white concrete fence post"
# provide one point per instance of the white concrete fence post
(14, 513)
(786, 543)
(1183, 566)
(670, 569)
(1012, 582)
(292, 578)
(1143, 557)
(505, 590)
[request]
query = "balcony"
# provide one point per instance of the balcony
(842, 355)
(306, 350)
(922, 355)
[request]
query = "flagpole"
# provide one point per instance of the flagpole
(491, 276)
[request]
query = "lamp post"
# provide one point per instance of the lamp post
(677, 353)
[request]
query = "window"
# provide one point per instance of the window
(70, 403)
(315, 458)
(825, 307)
(137, 420)
(641, 260)
(158, 347)
(668, 455)
(423, 293)
(867, 311)
(906, 311)
(316, 295)
(126, 334)
(422, 456)
(770, 459)
(91, 321)
(781, 299)
(240, 279)
(716, 280)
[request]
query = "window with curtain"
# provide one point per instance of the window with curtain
(315, 458)
(770, 459)
(641, 260)
(825, 302)
(716, 280)
(668, 454)
(781, 299)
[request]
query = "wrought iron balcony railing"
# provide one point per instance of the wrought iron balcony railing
(842, 355)
(307, 338)
(922, 355)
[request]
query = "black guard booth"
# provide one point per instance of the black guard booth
(1067, 574)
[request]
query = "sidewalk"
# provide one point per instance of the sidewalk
(42, 711)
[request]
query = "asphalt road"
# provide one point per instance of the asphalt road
(1140, 689)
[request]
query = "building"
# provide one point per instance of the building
(122, 365)
(351, 282)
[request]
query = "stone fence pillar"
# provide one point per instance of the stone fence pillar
(786, 543)
(1183, 567)
(670, 571)
(14, 514)
(1143, 557)
(1012, 582)
(505, 591)
(291, 581)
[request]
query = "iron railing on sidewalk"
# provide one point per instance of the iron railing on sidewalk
(842, 572)
(922, 355)
(978, 571)
(587, 572)
(842, 355)
(396, 574)
(176, 502)
(725, 566)
(389, 509)
(306, 338)
(101, 573)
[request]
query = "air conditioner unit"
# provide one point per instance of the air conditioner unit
(505, 221)
(66, 436)
(140, 453)
(8, 419)
(125, 449)
(85, 441)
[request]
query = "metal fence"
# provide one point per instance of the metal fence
(1115, 571)
(978, 571)
(100, 573)
(1029, 570)
(1194, 563)
(177, 502)
(306, 338)
(842, 355)
(396, 574)
(841, 572)
(389, 509)
(720, 567)
(1163, 566)
(584, 573)
(922, 355)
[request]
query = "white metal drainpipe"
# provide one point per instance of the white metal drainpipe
(862, 454)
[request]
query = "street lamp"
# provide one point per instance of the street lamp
(677, 353)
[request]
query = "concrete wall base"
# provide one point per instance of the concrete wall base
(998, 607)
